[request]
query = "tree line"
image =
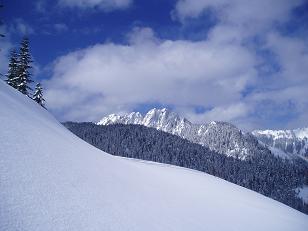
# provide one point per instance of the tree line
(19, 74)
(262, 172)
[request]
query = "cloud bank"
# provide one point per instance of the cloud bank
(147, 70)
(229, 75)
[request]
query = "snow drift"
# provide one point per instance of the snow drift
(52, 180)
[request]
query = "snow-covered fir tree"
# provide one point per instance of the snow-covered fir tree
(11, 76)
(24, 76)
(38, 95)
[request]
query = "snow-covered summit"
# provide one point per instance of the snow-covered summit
(291, 142)
(154, 117)
(222, 137)
(301, 133)
(52, 180)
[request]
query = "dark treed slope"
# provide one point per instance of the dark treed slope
(263, 173)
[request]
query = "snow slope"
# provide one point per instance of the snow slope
(52, 180)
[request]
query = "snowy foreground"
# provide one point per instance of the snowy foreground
(52, 180)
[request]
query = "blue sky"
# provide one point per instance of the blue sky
(238, 61)
(67, 29)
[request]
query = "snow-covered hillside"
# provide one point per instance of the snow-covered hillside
(290, 142)
(221, 137)
(52, 180)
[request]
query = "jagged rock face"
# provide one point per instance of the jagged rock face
(228, 139)
(161, 119)
(222, 137)
(292, 142)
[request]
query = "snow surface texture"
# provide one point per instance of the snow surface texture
(221, 137)
(290, 142)
(52, 180)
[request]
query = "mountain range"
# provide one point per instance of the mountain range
(288, 142)
(222, 137)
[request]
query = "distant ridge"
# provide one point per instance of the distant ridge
(222, 137)
(290, 142)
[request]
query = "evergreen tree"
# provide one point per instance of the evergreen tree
(24, 76)
(38, 95)
(13, 70)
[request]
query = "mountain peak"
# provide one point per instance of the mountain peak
(219, 136)
(157, 111)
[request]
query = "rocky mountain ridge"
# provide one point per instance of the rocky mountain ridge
(290, 142)
(222, 137)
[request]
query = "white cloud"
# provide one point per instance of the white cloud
(220, 72)
(102, 4)
(251, 14)
(228, 113)
(142, 35)
(116, 77)
(240, 21)
(286, 89)
(292, 55)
